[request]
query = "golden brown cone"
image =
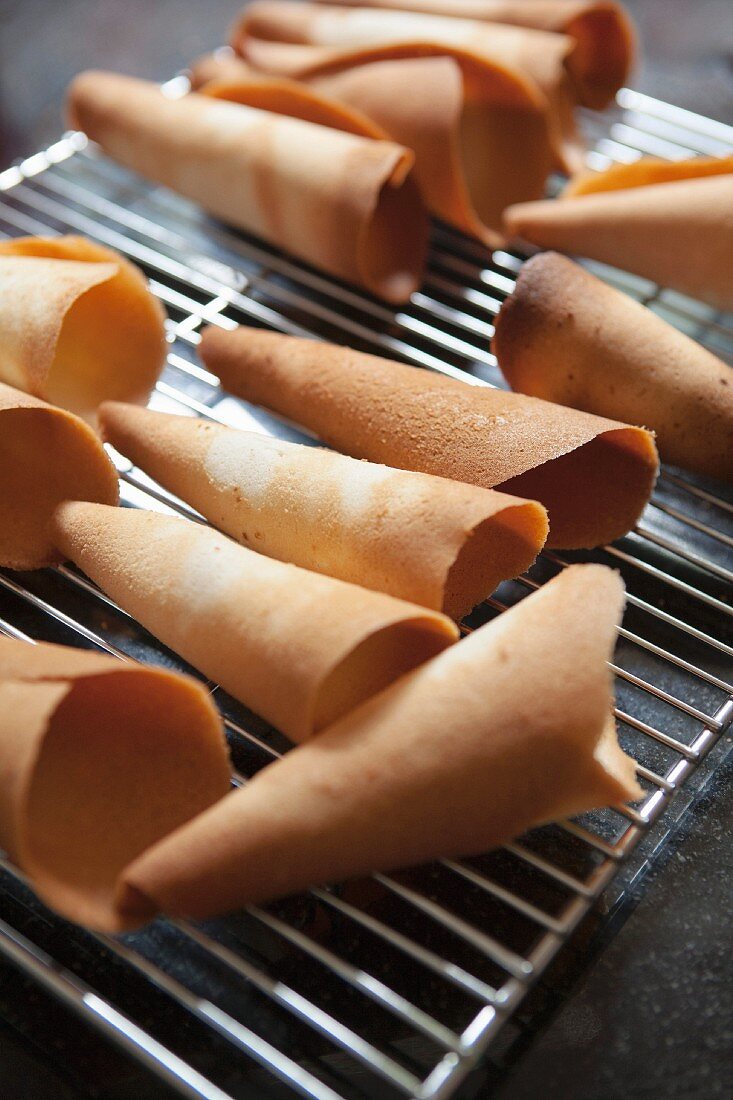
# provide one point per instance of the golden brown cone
(47, 455)
(59, 300)
(594, 476)
(439, 543)
(679, 234)
(269, 31)
(345, 204)
(98, 760)
(473, 155)
(510, 728)
(565, 336)
(298, 648)
(646, 171)
(605, 40)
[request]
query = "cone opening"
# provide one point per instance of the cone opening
(125, 760)
(376, 662)
(46, 457)
(88, 367)
(394, 243)
(603, 54)
(595, 493)
(506, 157)
(502, 546)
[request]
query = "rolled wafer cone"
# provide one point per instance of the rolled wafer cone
(644, 172)
(268, 29)
(510, 728)
(98, 760)
(479, 146)
(593, 475)
(439, 543)
(345, 204)
(47, 455)
(77, 324)
(565, 336)
(605, 40)
(678, 233)
(298, 648)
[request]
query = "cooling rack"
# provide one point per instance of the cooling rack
(396, 985)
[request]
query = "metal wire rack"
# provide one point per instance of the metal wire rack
(397, 985)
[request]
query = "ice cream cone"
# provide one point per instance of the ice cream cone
(479, 145)
(77, 324)
(605, 41)
(98, 760)
(593, 475)
(298, 648)
(510, 728)
(439, 543)
(565, 336)
(268, 31)
(677, 233)
(343, 203)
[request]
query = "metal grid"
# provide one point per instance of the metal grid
(397, 985)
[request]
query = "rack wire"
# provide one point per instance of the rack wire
(396, 985)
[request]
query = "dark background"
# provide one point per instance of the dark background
(688, 53)
(652, 1015)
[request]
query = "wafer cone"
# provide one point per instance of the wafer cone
(47, 455)
(77, 324)
(510, 728)
(677, 233)
(476, 151)
(605, 41)
(298, 648)
(565, 336)
(98, 760)
(442, 544)
(345, 204)
(268, 31)
(593, 475)
(644, 172)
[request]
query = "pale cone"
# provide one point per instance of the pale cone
(298, 648)
(439, 543)
(59, 300)
(47, 455)
(343, 203)
(679, 234)
(510, 728)
(479, 145)
(605, 40)
(268, 31)
(98, 761)
(593, 475)
(565, 336)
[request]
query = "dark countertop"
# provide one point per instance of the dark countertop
(648, 1013)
